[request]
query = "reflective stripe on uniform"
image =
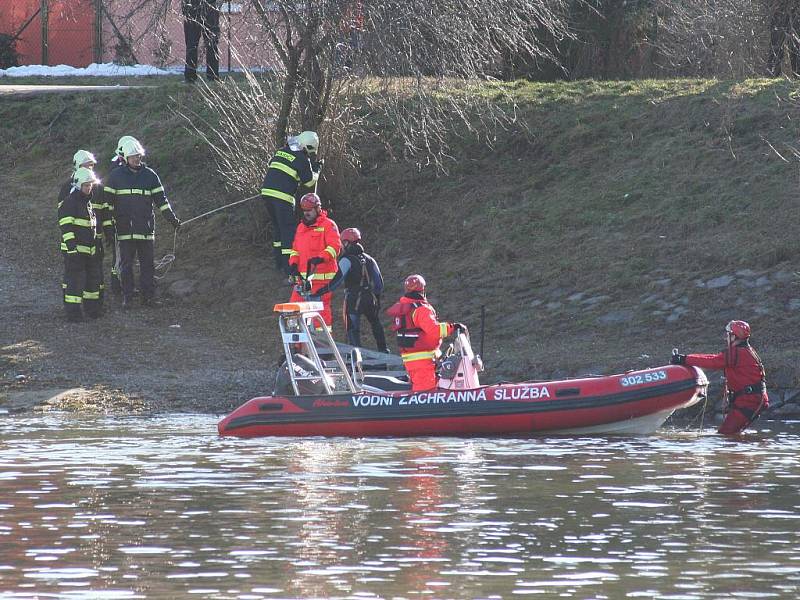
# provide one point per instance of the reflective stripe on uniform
(72, 299)
(279, 195)
(91, 295)
(411, 356)
(285, 168)
(320, 276)
(75, 221)
(331, 250)
(133, 191)
(286, 155)
(90, 250)
(136, 236)
(442, 329)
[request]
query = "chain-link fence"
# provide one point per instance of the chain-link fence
(49, 32)
(80, 32)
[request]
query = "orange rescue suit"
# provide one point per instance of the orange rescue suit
(744, 373)
(419, 335)
(319, 240)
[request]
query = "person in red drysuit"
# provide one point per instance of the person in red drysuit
(316, 245)
(419, 333)
(745, 385)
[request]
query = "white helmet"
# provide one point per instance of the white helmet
(308, 141)
(81, 157)
(84, 175)
(131, 147)
(124, 139)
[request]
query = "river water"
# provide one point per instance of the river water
(112, 507)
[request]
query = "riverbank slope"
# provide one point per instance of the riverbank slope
(636, 217)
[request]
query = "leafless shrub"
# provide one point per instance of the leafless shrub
(120, 14)
(409, 66)
(723, 38)
(663, 38)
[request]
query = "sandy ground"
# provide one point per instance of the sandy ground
(158, 359)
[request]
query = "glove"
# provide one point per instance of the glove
(316, 260)
(293, 271)
(459, 327)
(176, 223)
(678, 359)
(316, 165)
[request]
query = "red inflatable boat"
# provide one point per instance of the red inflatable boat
(319, 394)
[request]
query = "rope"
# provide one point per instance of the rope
(166, 261)
(205, 214)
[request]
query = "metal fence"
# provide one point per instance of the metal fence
(80, 32)
(50, 32)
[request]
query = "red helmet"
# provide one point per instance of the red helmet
(414, 283)
(351, 235)
(739, 329)
(310, 201)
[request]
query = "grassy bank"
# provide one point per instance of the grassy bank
(634, 217)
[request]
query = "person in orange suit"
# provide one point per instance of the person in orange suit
(746, 387)
(419, 333)
(314, 251)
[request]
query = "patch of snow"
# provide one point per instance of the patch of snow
(93, 70)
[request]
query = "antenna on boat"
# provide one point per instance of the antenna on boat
(483, 327)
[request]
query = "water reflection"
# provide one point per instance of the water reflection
(152, 508)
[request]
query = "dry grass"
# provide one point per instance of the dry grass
(615, 187)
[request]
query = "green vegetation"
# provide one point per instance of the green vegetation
(632, 192)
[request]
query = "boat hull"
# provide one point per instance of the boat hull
(636, 402)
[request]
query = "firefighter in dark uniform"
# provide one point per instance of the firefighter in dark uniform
(80, 246)
(745, 382)
(132, 191)
(83, 158)
(363, 285)
(291, 166)
(108, 227)
(784, 28)
(201, 19)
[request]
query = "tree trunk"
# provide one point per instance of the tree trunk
(287, 97)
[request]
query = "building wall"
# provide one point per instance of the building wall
(159, 39)
(144, 31)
